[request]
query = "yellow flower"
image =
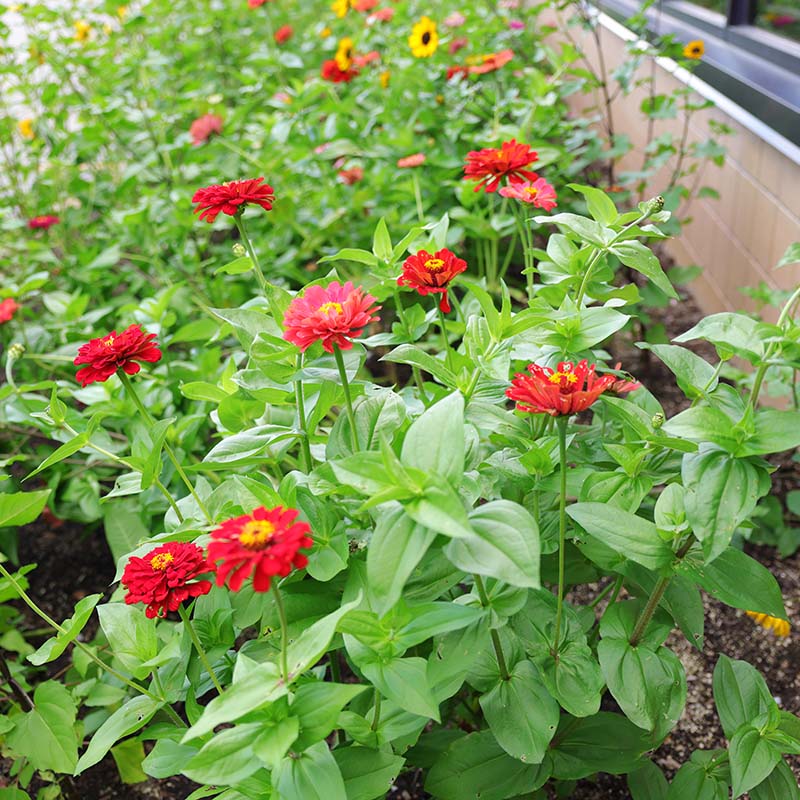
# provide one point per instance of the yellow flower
(424, 39)
(25, 127)
(122, 12)
(340, 7)
(344, 54)
(325, 32)
(384, 78)
(82, 31)
(780, 626)
(694, 50)
(107, 29)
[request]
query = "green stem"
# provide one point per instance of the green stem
(199, 647)
(445, 342)
(418, 197)
(562, 422)
(498, 647)
(284, 632)
(376, 717)
(301, 413)
(415, 371)
(605, 591)
(126, 382)
(337, 354)
(237, 218)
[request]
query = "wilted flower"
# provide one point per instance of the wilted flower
(106, 355)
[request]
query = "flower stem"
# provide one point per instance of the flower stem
(126, 382)
(237, 218)
(301, 413)
(562, 422)
(498, 647)
(337, 353)
(199, 647)
(284, 632)
(445, 342)
(418, 197)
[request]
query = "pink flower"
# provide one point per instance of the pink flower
(516, 24)
(457, 44)
(43, 222)
(455, 20)
(333, 315)
(367, 58)
(204, 127)
(538, 193)
(381, 15)
(416, 160)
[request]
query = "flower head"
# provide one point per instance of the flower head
(203, 128)
(333, 315)
(265, 543)
(284, 33)
(384, 79)
(25, 128)
(381, 15)
(455, 20)
(779, 626)
(232, 197)
(516, 24)
(459, 43)
(432, 274)
(344, 54)
(538, 193)
(106, 355)
(165, 577)
(490, 165)
(341, 7)
(568, 389)
(694, 49)
(364, 5)
(83, 30)
(367, 58)
(415, 160)
(351, 175)
(331, 72)
(424, 38)
(43, 221)
(7, 309)
(256, 3)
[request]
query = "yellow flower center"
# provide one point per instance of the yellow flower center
(108, 341)
(256, 534)
(326, 308)
(531, 191)
(557, 377)
(434, 265)
(161, 561)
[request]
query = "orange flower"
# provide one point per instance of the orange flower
(779, 626)
(417, 160)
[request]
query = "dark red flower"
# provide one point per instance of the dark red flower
(7, 309)
(431, 274)
(333, 315)
(232, 197)
(165, 577)
(490, 165)
(203, 128)
(265, 543)
(44, 221)
(283, 34)
(332, 72)
(566, 390)
(108, 354)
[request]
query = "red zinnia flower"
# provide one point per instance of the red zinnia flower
(332, 315)
(567, 390)
(44, 222)
(110, 353)
(231, 198)
(351, 176)
(490, 165)
(364, 5)
(332, 72)
(538, 193)
(165, 577)
(265, 543)
(204, 127)
(7, 309)
(256, 3)
(431, 274)
(416, 160)
(283, 34)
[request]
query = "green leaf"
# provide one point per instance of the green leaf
(780, 785)
(57, 644)
(416, 356)
(59, 454)
(131, 635)
(312, 775)
(697, 781)
(631, 536)
(704, 424)
(227, 759)
(731, 334)
(46, 735)
(648, 783)
(752, 759)
(128, 756)
(124, 528)
(740, 693)
(135, 714)
(396, 547)
(737, 580)
(236, 267)
(581, 228)
(638, 256)
(575, 680)
(774, 431)
(521, 714)
(368, 774)
(504, 544)
(247, 323)
(274, 740)
(317, 705)
(351, 254)
(20, 508)
(721, 493)
(382, 242)
(791, 256)
(435, 442)
(475, 767)
(695, 376)
(405, 681)
(440, 509)
(600, 205)
(167, 758)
